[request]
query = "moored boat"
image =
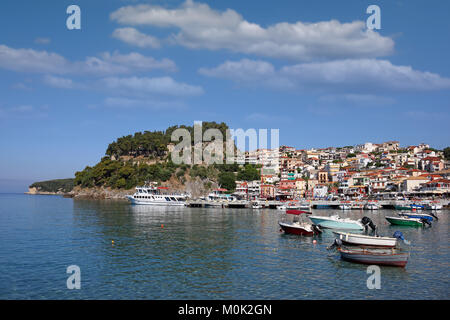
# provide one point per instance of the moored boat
(366, 240)
(357, 206)
(417, 207)
(304, 205)
(402, 207)
(297, 225)
(417, 216)
(150, 194)
(405, 221)
(345, 206)
(434, 205)
(335, 222)
(387, 257)
(371, 206)
(256, 205)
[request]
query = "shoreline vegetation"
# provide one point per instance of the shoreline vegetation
(132, 160)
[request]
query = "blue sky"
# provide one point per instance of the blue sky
(308, 68)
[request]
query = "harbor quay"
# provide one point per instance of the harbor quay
(313, 204)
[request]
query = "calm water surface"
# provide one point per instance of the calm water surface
(195, 253)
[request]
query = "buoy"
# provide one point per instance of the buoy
(314, 241)
(162, 226)
(112, 241)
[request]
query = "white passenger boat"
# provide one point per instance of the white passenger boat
(220, 195)
(156, 196)
(256, 205)
(371, 206)
(345, 206)
(434, 205)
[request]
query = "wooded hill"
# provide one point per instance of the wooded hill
(134, 159)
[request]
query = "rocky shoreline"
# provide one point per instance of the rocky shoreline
(195, 187)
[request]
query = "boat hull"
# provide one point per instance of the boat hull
(396, 260)
(331, 224)
(402, 207)
(148, 202)
(418, 216)
(368, 241)
(404, 222)
(295, 229)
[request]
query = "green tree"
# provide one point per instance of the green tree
(227, 180)
(447, 153)
(248, 173)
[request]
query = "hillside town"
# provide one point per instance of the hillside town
(368, 170)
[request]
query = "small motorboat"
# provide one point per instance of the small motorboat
(297, 225)
(371, 206)
(406, 221)
(368, 241)
(434, 205)
(425, 216)
(386, 257)
(416, 207)
(304, 205)
(357, 206)
(256, 205)
(345, 206)
(281, 207)
(335, 222)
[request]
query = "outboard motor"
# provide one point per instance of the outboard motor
(399, 235)
(316, 229)
(425, 222)
(367, 222)
(431, 214)
(336, 244)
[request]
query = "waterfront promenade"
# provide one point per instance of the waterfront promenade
(273, 204)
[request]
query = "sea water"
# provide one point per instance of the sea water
(142, 252)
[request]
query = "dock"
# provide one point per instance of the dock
(273, 204)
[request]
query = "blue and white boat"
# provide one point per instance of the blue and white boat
(335, 222)
(417, 216)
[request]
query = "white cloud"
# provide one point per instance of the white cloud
(59, 82)
(364, 74)
(34, 61)
(250, 72)
(29, 60)
(205, 28)
(243, 70)
(126, 103)
(138, 62)
(358, 77)
(136, 38)
(144, 86)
